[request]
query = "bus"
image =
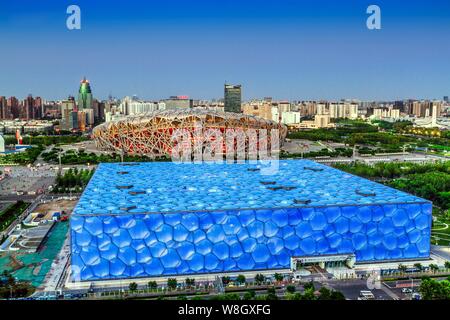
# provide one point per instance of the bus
(366, 295)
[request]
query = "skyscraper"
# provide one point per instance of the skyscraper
(27, 108)
(38, 106)
(68, 109)
(12, 108)
(446, 99)
(233, 98)
(85, 95)
(2, 107)
(2, 144)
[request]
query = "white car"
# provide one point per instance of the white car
(406, 290)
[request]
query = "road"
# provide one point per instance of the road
(352, 288)
(55, 275)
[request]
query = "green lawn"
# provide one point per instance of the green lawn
(440, 233)
(8, 215)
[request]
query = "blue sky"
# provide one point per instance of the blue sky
(311, 49)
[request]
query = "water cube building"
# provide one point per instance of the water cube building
(168, 219)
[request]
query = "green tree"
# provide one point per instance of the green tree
(172, 283)
(447, 264)
(152, 285)
(241, 279)
(325, 294)
(294, 296)
(227, 296)
(309, 294)
(402, 268)
(260, 278)
(190, 282)
(226, 280)
(249, 295)
(290, 289)
(278, 277)
(271, 296)
(431, 289)
(418, 266)
(133, 286)
(337, 295)
(309, 286)
(434, 267)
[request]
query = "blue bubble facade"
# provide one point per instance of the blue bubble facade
(118, 243)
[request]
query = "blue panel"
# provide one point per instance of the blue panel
(180, 233)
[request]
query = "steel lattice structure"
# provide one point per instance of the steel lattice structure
(151, 134)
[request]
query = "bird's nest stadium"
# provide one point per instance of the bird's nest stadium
(152, 134)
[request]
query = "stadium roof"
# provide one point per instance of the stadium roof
(185, 113)
(173, 187)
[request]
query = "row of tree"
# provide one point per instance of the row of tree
(73, 180)
(8, 215)
(25, 157)
(430, 181)
(338, 152)
(172, 283)
(393, 170)
(309, 291)
(72, 157)
(431, 289)
(11, 288)
(46, 140)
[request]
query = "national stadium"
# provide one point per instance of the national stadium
(152, 134)
(161, 219)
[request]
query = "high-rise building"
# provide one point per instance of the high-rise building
(390, 112)
(38, 108)
(85, 100)
(99, 111)
(436, 108)
(2, 144)
(309, 108)
(51, 110)
(130, 106)
(424, 109)
(26, 111)
(260, 109)
(322, 120)
(12, 108)
(67, 108)
(2, 107)
(446, 99)
(85, 119)
(435, 115)
(343, 110)
(178, 102)
(233, 98)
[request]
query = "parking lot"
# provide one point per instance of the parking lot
(351, 289)
(25, 179)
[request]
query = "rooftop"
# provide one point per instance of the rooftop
(173, 187)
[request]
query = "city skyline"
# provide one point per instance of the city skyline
(287, 50)
(22, 99)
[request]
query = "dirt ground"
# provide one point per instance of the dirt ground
(55, 206)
